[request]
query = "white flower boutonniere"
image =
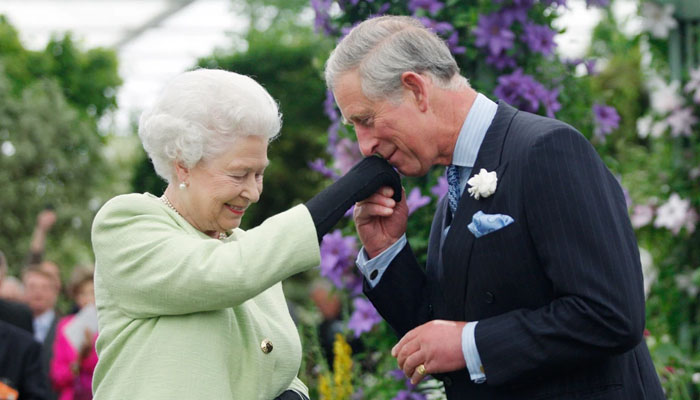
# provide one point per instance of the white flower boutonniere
(482, 184)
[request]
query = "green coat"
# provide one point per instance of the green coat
(182, 315)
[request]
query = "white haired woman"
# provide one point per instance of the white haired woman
(189, 305)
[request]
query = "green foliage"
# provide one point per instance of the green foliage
(51, 150)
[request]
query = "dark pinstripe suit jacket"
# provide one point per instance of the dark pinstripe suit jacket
(558, 293)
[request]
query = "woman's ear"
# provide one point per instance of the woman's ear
(417, 85)
(182, 172)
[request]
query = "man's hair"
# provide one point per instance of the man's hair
(383, 48)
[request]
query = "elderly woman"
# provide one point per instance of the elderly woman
(190, 306)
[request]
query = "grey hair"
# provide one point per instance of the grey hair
(383, 48)
(200, 113)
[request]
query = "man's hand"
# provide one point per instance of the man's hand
(45, 220)
(436, 344)
(380, 221)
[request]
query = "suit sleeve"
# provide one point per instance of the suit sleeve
(578, 221)
(34, 383)
(155, 268)
(401, 296)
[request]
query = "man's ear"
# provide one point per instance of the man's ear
(417, 84)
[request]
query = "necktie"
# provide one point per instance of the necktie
(454, 190)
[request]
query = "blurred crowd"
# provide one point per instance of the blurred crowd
(46, 353)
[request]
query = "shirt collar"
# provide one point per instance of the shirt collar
(473, 131)
(45, 318)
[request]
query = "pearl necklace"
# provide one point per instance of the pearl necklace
(167, 202)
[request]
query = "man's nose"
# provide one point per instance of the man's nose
(368, 145)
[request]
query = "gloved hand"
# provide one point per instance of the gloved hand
(362, 181)
(291, 395)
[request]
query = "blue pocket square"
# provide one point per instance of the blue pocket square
(483, 224)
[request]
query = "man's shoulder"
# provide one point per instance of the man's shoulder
(17, 338)
(17, 314)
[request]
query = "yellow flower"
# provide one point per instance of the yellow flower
(341, 388)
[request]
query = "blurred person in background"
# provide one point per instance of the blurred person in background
(11, 288)
(189, 305)
(13, 312)
(72, 368)
(41, 292)
(21, 376)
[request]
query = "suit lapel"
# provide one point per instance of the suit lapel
(457, 248)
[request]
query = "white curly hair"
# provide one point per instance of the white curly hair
(200, 114)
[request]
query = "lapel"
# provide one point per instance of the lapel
(457, 248)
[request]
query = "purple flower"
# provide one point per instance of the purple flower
(416, 200)
(333, 137)
(329, 107)
(555, 2)
(514, 13)
(551, 104)
(539, 38)
(441, 188)
(453, 44)
(597, 3)
(501, 61)
(322, 20)
(346, 153)
(520, 90)
(319, 166)
(432, 6)
(492, 32)
(590, 66)
(441, 28)
(408, 395)
(364, 316)
(607, 120)
(337, 255)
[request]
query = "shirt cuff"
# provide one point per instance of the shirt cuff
(374, 269)
(471, 353)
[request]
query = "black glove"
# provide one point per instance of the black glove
(362, 181)
(291, 395)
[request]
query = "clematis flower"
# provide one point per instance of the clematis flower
(441, 188)
(492, 32)
(664, 97)
(520, 90)
(364, 316)
(681, 121)
(644, 126)
(539, 38)
(675, 214)
(607, 120)
(416, 200)
(597, 3)
(338, 253)
(658, 20)
(346, 153)
(432, 6)
(642, 215)
(694, 85)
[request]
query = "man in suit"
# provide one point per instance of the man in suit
(41, 291)
(12, 312)
(21, 376)
(541, 297)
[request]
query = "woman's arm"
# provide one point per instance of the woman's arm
(152, 264)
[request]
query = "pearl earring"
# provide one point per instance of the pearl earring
(183, 186)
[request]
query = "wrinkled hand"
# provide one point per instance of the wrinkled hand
(436, 344)
(380, 220)
(45, 220)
